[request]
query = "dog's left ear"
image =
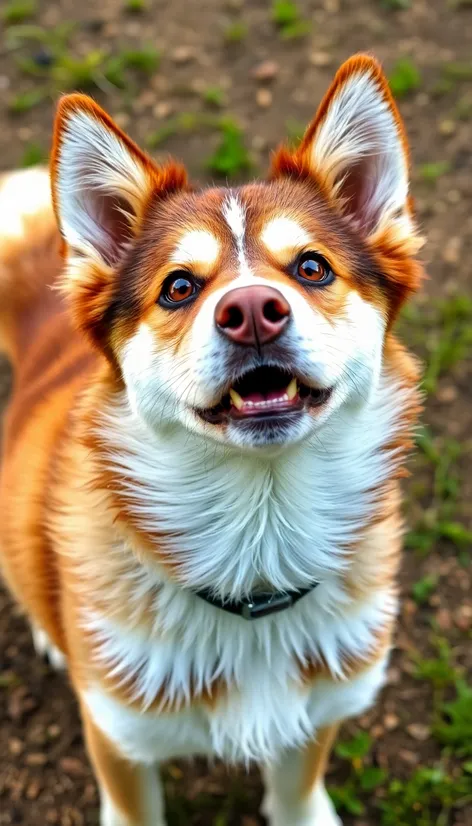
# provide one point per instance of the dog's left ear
(356, 149)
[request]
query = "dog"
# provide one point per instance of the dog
(203, 450)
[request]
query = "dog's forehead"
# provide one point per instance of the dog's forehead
(203, 225)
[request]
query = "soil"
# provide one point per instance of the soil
(267, 83)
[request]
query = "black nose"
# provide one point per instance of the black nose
(252, 315)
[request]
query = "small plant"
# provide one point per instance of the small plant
(33, 155)
(135, 6)
(454, 728)
(440, 671)
(457, 71)
(430, 172)
(235, 32)
(451, 339)
(425, 799)
(184, 123)
(231, 156)
(143, 60)
(363, 778)
(463, 110)
(56, 39)
(15, 11)
(396, 5)
(438, 520)
(423, 588)
(79, 72)
(286, 16)
(214, 96)
(405, 78)
(26, 100)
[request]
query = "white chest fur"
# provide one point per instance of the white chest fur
(233, 521)
(266, 708)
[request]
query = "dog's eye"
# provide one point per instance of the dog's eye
(314, 268)
(178, 288)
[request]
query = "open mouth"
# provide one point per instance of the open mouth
(265, 393)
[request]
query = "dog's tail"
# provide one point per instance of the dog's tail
(29, 251)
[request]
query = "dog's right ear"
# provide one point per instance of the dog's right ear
(102, 185)
(101, 181)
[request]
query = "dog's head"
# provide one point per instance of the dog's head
(247, 315)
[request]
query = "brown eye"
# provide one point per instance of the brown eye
(178, 289)
(314, 268)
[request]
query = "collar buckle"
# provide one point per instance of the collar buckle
(262, 605)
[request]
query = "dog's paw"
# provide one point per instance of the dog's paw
(45, 648)
(319, 811)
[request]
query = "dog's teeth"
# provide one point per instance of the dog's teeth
(292, 389)
(236, 399)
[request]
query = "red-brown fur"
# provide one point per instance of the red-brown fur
(56, 484)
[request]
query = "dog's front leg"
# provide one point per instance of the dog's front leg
(295, 791)
(130, 793)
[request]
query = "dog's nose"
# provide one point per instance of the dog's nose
(252, 315)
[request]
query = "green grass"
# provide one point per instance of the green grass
(214, 96)
(441, 670)
(396, 5)
(427, 798)
(135, 6)
(25, 101)
(451, 340)
(235, 32)
(439, 519)
(71, 72)
(183, 123)
(16, 11)
(431, 172)
(442, 333)
(463, 108)
(56, 39)
(423, 588)
(405, 78)
(363, 778)
(457, 71)
(430, 795)
(454, 727)
(66, 72)
(144, 60)
(231, 156)
(287, 17)
(97, 69)
(33, 154)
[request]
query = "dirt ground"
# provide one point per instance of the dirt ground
(219, 84)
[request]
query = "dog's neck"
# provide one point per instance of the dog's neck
(234, 522)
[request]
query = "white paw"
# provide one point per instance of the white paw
(324, 811)
(318, 811)
(45, 648)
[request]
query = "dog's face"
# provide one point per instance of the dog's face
(247, 315)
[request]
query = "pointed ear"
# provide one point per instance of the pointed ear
(101, 181)
(356, 148)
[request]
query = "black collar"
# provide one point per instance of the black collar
(259, 605)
